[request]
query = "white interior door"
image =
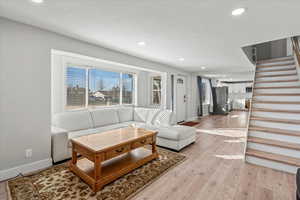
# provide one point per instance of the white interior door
(181, 98)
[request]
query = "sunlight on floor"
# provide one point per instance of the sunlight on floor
(240, 140)
(234, 116)
(231, 157)
(228, 132)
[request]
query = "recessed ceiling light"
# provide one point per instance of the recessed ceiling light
(203, 67)
(238, 11)
(181, 59)
(142, 43)
(37, 1)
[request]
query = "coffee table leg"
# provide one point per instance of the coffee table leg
(74, 155)
(154, 148)
(97, 172)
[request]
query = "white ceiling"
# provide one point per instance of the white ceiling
(201, 31)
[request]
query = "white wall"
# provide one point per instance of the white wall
(25, 87)
(237, 94)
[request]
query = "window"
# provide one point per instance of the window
(104, 88)
(127, 92)
(156, 90)
(76, 88)
(90, 87)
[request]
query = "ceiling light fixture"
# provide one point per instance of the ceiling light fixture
(203, 67)
(181, 59)
(142, 43)
(37, 1)
(238, 11)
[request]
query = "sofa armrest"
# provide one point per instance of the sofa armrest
(57, 130)
(59, 144)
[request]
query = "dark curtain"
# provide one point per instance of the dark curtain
(214, 96)
(172, 92)
(199, 83)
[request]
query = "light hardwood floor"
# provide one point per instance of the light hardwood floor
(215, 170)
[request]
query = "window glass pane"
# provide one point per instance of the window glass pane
(104, 88)
(156, 83)
(127, 95)
(76, 81)
(156, 90)
(156, 97)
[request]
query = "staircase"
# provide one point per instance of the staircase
(274, 125)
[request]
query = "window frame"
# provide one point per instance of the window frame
(87, 68)
(155, 90)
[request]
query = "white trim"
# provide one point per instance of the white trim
(193, 118)
(25, 169)
(107, 62)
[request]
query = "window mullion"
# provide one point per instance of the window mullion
(121, 88)
(86, 87)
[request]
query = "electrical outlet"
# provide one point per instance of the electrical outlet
(28, 153)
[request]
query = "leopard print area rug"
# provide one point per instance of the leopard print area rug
(59, 183)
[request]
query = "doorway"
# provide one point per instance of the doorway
(181, 98)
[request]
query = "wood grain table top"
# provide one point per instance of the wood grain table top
(104, 141)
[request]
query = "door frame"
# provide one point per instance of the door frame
(176, 76)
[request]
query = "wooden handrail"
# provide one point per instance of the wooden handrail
(296, 48)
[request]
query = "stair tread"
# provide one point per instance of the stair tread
(274, 157)
(276, 70)
(276, 102)
(276, 110)
(287, 58)
(279, 87)
(270, 119)
(276, 94)
(274, 130)
(276, 75)
(276, 65)
(277, 81)
(276, 143)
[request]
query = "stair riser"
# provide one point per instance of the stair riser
(277, 98)
(278, 106)
(273, 136)
(276, 78)
(292, 127)
(276, 115)
(276, 73)
(277, 84)
(277, 62)
(274, 149)
(271, 164)
(258, 69)
(280, 91)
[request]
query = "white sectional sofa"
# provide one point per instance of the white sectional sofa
(72, 124)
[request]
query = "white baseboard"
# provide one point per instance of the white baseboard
(25, 169)
(192, 118)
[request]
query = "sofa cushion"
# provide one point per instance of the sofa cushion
(74, 134)
(176, 132)
(164, 118)
(73, 120)
(140, 114)
(152, 113)
(104, 117)
(125, 114)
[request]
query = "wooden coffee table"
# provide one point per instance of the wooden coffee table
(109, 155)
